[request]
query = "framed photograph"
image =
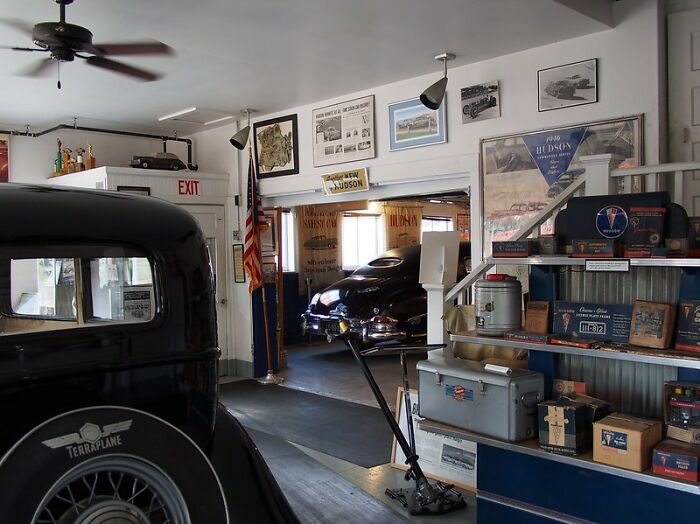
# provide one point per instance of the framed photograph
(568, 85)
(344, 132)
(135, 190)
(4, 158)
(480, 102)
(238, 265)
(522, 173)
(268, 238)
(276, 147)
(411, 124)
(269, 269)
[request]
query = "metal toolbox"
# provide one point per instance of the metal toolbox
(463, 394)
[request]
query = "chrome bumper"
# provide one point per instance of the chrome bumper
(327, 326)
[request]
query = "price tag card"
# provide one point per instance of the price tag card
(608, 266)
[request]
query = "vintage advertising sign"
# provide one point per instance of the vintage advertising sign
(402, 225)
(522, 173)
(592, 321)
(319, 245)
(344, 132)
(345, 181)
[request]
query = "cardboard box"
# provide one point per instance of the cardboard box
(645, 230)
(694, 236)
(652, 324)
(512, 248)
(537, 316)
(625, 441)
(592, 321)
(677, 247)
(566, 387)
(587, 248)
(546, 245)
(688, 330)
(686, 434)
(566, 424)
(678, 460)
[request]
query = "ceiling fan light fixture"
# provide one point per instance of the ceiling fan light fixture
(433, 96)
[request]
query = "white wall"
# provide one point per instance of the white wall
(31, 159)
(630, 82)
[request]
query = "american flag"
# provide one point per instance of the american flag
(255, 223)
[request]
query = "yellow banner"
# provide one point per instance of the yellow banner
(345, 182)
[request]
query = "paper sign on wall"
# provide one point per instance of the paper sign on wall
(345, 181)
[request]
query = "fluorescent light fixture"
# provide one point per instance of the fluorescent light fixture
(177, 113)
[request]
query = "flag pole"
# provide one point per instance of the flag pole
(270, 377)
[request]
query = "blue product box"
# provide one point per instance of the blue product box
(610, 323)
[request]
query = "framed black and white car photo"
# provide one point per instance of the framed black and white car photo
(568, 85)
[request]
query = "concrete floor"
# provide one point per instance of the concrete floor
(330, 370)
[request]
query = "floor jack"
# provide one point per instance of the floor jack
(425, 498)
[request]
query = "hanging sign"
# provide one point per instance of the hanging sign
(345, 181)
(553, 151)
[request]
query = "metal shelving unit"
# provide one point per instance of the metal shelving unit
(531, 447)
(633, 354)
(562, 260)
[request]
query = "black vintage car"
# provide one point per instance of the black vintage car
(379, 301)
(108, 369)
(169, 161)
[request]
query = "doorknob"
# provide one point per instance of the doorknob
(223, 301)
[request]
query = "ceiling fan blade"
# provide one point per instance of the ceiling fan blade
(148, 47)
(38, 69)
(23, 48)
(124, 69)
(20, 25)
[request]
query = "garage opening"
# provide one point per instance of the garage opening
(354, 266)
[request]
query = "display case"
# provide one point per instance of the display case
(521, 482)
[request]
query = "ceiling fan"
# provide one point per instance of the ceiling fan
(65, 41)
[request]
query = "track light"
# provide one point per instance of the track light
(240, 139)
(433, 95)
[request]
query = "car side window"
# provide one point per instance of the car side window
(44, 294)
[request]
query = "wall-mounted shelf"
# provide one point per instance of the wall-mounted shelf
(532, 448)
(562, 260)
(633, 354)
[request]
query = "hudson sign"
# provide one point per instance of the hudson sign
(345, 181)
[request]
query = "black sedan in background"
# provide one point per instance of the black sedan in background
(379, 301)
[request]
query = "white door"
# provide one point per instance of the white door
(211, 220)
(684, 99)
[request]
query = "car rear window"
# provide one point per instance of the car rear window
(385, 262)
(60, 292)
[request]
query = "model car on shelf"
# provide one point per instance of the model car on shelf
(379, 301)
(168, 161)
(108, 381)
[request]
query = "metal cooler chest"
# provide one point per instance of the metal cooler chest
(461, 393)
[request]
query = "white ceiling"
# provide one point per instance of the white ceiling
(264, 54)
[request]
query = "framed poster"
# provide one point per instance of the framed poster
(480, 102)
(568, 85)
(344, 132)
(446, 459)
(522, 173)
(4, 158)
(276, 146)
(411, 124)
(135, 190)
(268, 238)
(238, 265)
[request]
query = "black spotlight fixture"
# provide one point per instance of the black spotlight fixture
(240, 139)
(433, 95)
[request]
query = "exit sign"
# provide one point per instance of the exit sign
(188, 187)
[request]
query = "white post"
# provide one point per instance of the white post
(598, 181)
(437, 334)
(678, 187)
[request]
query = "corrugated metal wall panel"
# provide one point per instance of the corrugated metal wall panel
(630, 387)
